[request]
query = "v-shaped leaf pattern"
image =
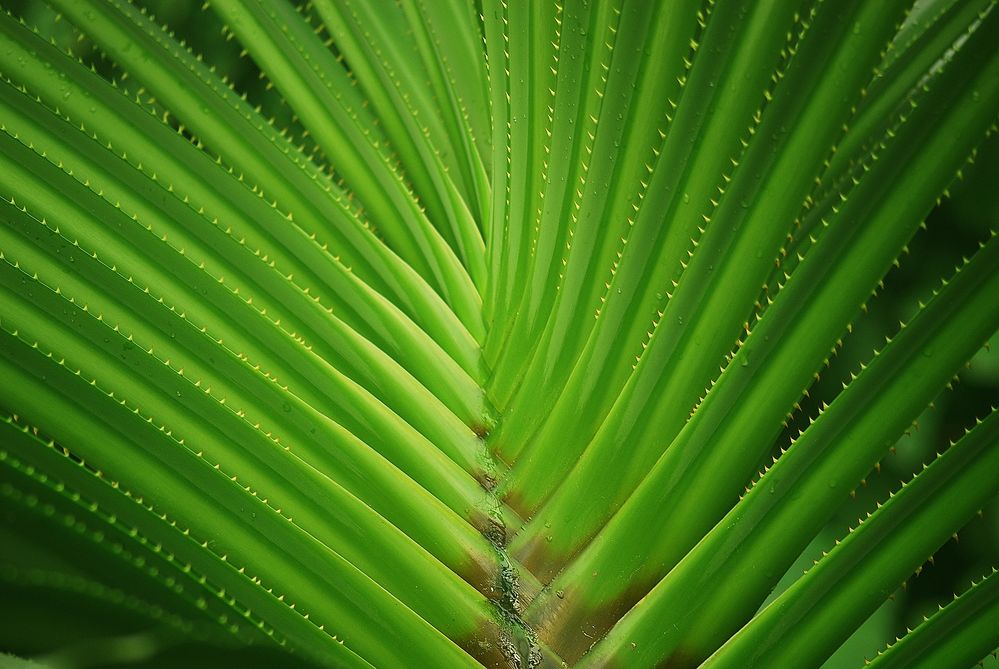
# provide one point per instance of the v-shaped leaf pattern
(463, 332)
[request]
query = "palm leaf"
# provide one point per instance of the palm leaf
(476, 333)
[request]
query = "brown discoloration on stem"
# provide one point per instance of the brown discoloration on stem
(481, 430)
(538, 556)
(567, 626)
(481, 573)
(495, 649)
(487, 647)
(486, 479)
(513, 500)
(570, 625)
(511, 643)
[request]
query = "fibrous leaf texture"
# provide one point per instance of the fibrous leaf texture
(454, 333)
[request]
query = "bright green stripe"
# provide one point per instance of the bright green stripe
(373, 56)
(612, 193)
(932, 48)
(859, 150)
(626, 152)
(545, 32)
(332, 515)
(719, 448)
(245, 139)
(846, 586)
(124, 126)
(566, 148)
(143, 519)
(404, 76)
(332, 108)
(922, 18)
(299, 313)
(393, 331)
(268, 346)
(40, 511)
(614, 171)
(455, 77)
(731, 254)
(520, 29)
(536, 39)
(240, 527)
(551, 359)
(219, 116)
(835, 188)
(600, 108)
(961, 633)
(74, 489)
(763, 534)
(455, 33)
(497, 57)
(601, 102)
(358, 598)
(338, 344)
(246, 390)
(181, 167)
(592, 389)
(280, 43)
(380, 27)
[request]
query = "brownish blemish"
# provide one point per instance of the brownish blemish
(485, 479)
(570, 628)
(486, 647)
(537, 556)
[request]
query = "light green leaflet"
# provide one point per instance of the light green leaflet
(462, 333)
